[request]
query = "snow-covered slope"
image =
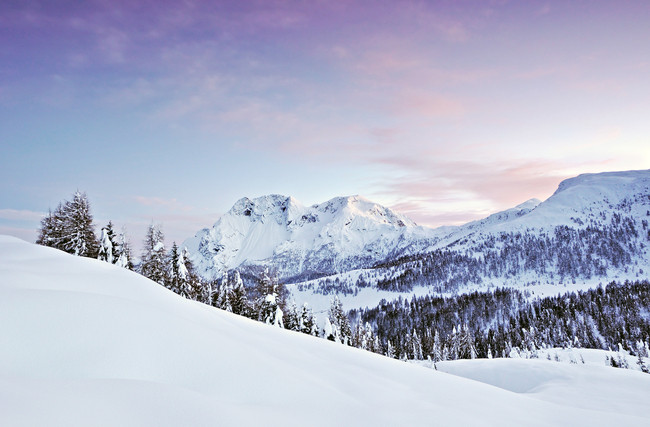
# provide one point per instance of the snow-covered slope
(594, 229)
(606, 210)
(87, 343)
(338, 235)
(578, 202)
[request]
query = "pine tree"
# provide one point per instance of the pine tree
(239, 300)
(307, 321)
(390, 351)
(123, 252)
(328, 330)
(107, 247)
(269, 291)
(172, 278)
(153, 262)
(416, 344)
(78, 229)
(190, 283)
(270, 312)
(340, 322)
(291, 318)
(51, 230)
(223, 294)
(437, 348)
(641, 352)
(70, 228)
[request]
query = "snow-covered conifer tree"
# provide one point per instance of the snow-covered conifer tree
(239, 300)
(70, 228)
(291, 319)
(51, 230)
(153, 262)
(172, 278)
(78, 230)
(307, 321)
(437, 348)
(122, 253)
(106, 245)
(340, 322)
(390, 350)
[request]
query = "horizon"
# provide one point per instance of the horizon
(443, 112)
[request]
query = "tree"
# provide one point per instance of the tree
(78, 229)
(172, 278)
(190, 284)
(51, 229)
(239, 300)
(466, 347)
(270, 312)
(223, 294)
(153, 265)
(122, 252)
(107, 245)
(291, 318)
(70, 228)
(307, 321)
(340, 323)
(271, 298)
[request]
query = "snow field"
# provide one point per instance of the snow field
(84, 343)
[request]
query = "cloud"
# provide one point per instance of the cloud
(162, 202)
(21, 215)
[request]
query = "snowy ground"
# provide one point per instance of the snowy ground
(86, 343)
(591, 386)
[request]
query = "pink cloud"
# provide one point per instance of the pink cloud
(428, 105)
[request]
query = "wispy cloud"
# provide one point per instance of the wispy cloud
(20, 215)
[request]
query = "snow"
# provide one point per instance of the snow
(588, 386)
(328, 237)
(88, 343)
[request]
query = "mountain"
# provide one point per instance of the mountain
(301, 242)
(593, 229)
(580, 202)
(88, 343)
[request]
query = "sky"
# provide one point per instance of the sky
(446, 111)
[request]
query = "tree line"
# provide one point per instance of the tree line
(70, 228)
(507, 322)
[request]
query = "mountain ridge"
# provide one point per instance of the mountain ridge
(352, 232)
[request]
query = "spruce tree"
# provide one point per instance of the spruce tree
(291, 318)
(307, 321)
(122, 252)
(340, 322)
(78, 229)
(70, 228)
(107, 247)
(51, 229)
(173, 279)
(239, 300)
(153, 262)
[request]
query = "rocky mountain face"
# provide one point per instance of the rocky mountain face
(300, 242)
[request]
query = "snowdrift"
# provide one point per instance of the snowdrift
(86, 343)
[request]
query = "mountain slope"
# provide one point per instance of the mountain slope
(594, 229)
(587, 199)
(298, 241)
(87, 343)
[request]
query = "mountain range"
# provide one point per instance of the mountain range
(594, 227)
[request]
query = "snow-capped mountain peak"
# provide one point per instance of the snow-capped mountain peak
(342, 233)
(276, 207)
